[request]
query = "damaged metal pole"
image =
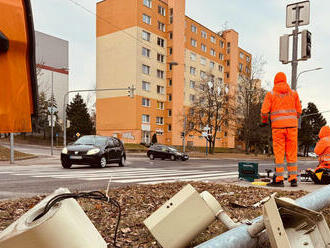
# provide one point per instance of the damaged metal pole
(240, 237)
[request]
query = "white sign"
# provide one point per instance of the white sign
(145, 127)
(204, 134)
(50, 109)
(128, 136)
(206, 128)
(50, 118)
(304, 14)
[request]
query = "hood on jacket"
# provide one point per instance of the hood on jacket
(280, 84)
(324, 132)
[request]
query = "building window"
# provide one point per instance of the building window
(213, 40)
(160, 105)
(204, 49)
(145, 35)
(193, 28)
(227, 75)
(160, 89)
(204, 34)
(169, 127)
(170, 82)
(228, 62)
(169, 112)
(212, 64)
(220, 67)
(161, 26)
(159, 120)
(146, 19)
(241, 55)
(228, 50)
(203, 75)
(192, 70)
(147, 3)
(220, 80)
(146, 52)
(240, 67)
(169, 97)
(247, 59)
(222, 44)
(145, 86)
(193, 56)
(220, 56)
(171, 35)
(160, 42)
(161, 10)
(145, 119)
(212, 52)
(160, 74)
(193, 43)
(226, 134)
(203, 61)
(192, 84)
(160, 57)
(192, 98)
(145, 102)
(170, 50)
(146, 69)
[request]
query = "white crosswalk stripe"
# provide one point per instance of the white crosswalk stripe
(126, 175)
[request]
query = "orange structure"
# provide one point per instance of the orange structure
(284, 107)
(153, 45)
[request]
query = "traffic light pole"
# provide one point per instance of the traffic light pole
(294, 62)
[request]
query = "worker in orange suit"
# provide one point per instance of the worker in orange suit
(283, 107)
(322, 148)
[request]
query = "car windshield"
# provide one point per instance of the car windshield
(172, 149)
(91, 140)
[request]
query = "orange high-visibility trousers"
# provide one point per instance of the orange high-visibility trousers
(285, 143)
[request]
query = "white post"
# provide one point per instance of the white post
(12, 158)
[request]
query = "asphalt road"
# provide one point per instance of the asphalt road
(45, 174)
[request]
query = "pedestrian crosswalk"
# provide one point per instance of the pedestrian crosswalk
(126, 174)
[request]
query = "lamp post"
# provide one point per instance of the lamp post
(315, 69)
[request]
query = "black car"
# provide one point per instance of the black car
(164, 152)
(94, 150)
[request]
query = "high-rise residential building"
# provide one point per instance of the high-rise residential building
(154, 46)
(52, 58)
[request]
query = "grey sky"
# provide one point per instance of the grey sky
(258, 22)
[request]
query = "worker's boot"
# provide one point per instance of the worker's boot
(276, 184)
(294, 183)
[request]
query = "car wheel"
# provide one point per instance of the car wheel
(122, 161)
(173, 158)
(103, 162)
(66, 165)
(151, 156)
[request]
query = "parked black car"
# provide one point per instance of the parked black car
(164, 152)
(94, 150)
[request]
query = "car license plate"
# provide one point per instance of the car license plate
(76, 157)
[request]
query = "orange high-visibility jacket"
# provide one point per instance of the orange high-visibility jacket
(322, 148)
(282, 104)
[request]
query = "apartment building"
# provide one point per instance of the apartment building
(153, 45)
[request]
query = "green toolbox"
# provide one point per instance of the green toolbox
(248, 171)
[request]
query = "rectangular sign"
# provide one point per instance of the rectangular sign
(304, 14)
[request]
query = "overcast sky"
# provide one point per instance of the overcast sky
(258, 22)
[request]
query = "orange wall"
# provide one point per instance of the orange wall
(115, 15)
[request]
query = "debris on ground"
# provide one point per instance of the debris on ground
(140, 201)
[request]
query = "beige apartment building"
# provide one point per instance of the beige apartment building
(154, 46)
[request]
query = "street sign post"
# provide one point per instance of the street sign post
(303, 11)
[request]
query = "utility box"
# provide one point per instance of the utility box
(248, 171)
(290, 226)
(181, 218)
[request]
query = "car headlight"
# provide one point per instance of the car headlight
(65, 150)
(93, 151)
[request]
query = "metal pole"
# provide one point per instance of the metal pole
(51, 117)
(294, 62)
(184, 134)
(240, 237)
(206, 138)
(12, 157)
(64, 119)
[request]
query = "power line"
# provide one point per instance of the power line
(113, 25)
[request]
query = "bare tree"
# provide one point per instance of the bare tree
(250, 96)
(212, 106)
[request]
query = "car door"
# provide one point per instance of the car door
(118, 149)
(111, 150)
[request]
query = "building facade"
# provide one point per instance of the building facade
(153, 45)
(52, 58)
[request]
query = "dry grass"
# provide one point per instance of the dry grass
(5, 154)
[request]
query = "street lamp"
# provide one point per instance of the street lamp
(316, 69)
